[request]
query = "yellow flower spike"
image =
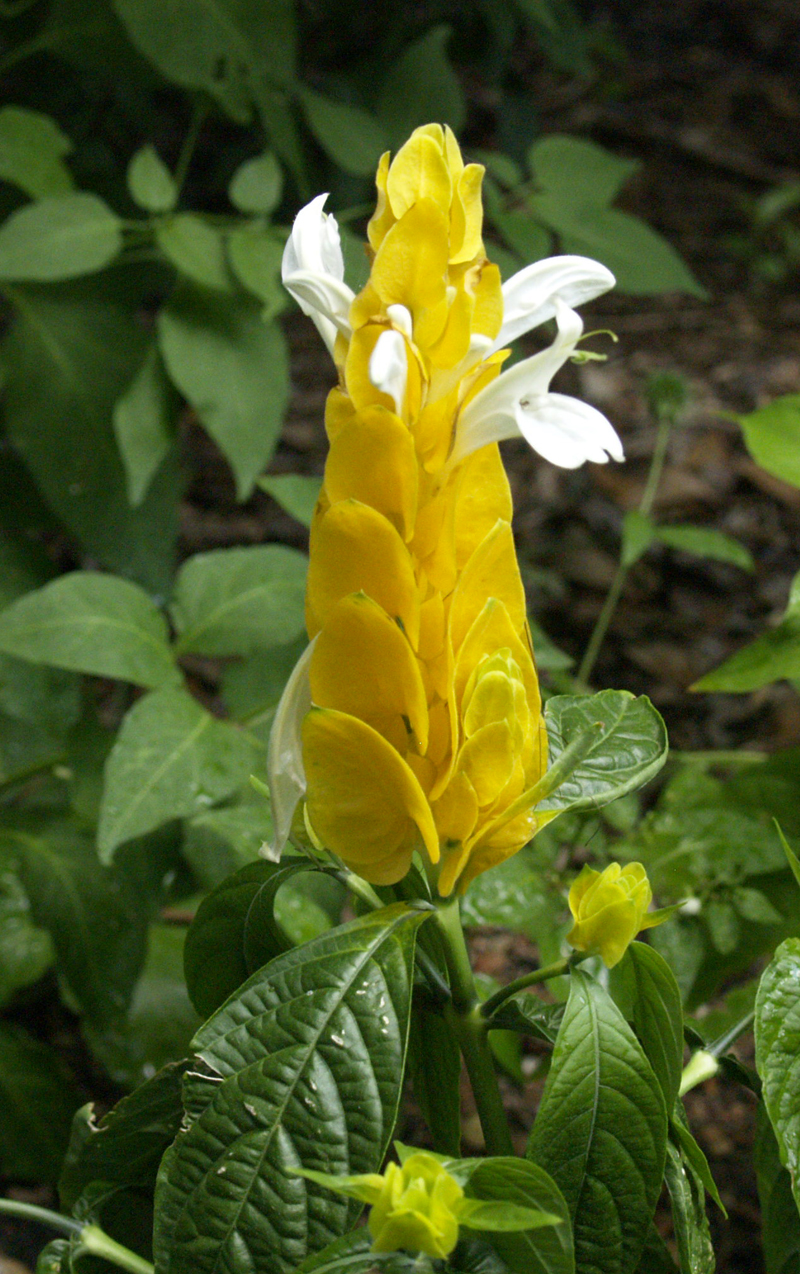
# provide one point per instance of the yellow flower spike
(420, 171)
(493, 630)
(456, 811)
(483, 498)
(372, 459)
(411, 263)
(466, 217)
(365, 804)
(609, 909)
(487, 758)
(363, 665)
(492, 571)
(383, 217)
(354, 549)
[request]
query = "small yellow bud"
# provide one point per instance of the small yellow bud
(609, 908)
(417, 1208)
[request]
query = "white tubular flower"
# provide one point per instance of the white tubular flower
(388, 366)
(564, 430)
(530, 295)
(286, 775)
(313, 271)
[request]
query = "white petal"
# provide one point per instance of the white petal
(567, 432)
(529, 296)
(285, 772)
(313, 271)
(388, 366)
(401, 318)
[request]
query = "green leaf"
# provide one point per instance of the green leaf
(601, 1130)
(235, 932)
(646, 993)
(422, 86)
(37, 1099)
(503, 1217)
(655, 1258)
(255, 253)
(434, 1067)
(688, 1199)
(590, 175)
(296, 493)
(60, 237)
(218, 842)
(694, 1156)
(252, 687)
(723, 925)
(354, 139)
(514, 1181)
(32, 150)
(26, 749)
(773, 656)
(26, 951)
(195, 248)
(772, 436)
(69, 355)
(91, 623)
(638, 533)
(777, 1028)
(236, 601)
(232, 368)
(529, 1015)
(630, 749)
(257, 184)
(95, 915)
(780, 1223)
(171, 759)
(223, 47)
(315, 1040)
(791, 856)
(753, 905)
(143, 425)
(150, 182)
(704, 541)
(522, 232)
(512, 896)
(353, 1254)
(124, 1148)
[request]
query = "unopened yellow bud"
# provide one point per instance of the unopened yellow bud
(610, 908)
(417, 1208)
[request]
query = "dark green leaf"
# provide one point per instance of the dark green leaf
(352, 137)
(529, 1015)
(434, 1067)
(687, 1196)
(143, 425)
(171, 759)
(26, 951)
(601, 1130)
(126, 1145)
(352, 1254)
(314, 1041)
(237, 601)
(32, 150)
(772, 436)
(771, 657)
(547, 1250)
(91, 623)
(422, 86)
(257, 184)
(26, 749)
(195, 248)
(232, 368)
(777, 1029)
(60, 237)
(780, 1223)
(252, 687)
(70, 354)
(218, 842)
(513, 895)
(150, 182)
(694, 1157)
(294, 492)
(37, 1099)
(655, 1258)
(646, 993)
(630, 749)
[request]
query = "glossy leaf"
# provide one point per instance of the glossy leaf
(777, 1028)
(434, 1067)
(143, 424)
(772, 436)
(37, 1099)
(646, 993)
(92, 623)
(353, 1254)
(630, 749)
(303, 1067)
(237, 601)
(780, 1222)
(546, 1250)
(687, 1197)
(170, 760)
(69, 355)
(601, 1130)
(150, 182)
(294, 492)
(771, 657)
(354, 139)
(32, 152)
(231, 366)
(59, 237)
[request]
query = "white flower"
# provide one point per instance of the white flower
(529, 296)
(313, 271)
(286, 775)
(388, 366)
(564, 430)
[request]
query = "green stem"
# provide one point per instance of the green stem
(555, 970)
(98, 1243)
(656, 466)
(463, 1016)
(723, 1042)
(199, 113)
(32, 1212)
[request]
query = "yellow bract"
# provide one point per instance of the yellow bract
(427, 732)
(416, 1209)
(609, 909)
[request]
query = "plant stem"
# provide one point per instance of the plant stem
(656, 466)
(723, 1042)
(544, 974)
(32, 1212)
(199, 112)
(463, 1016)
(98, 1243)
